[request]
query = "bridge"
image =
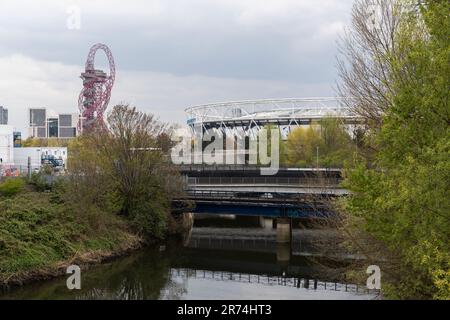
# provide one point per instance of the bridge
(241, 190)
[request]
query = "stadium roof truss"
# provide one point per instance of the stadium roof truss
(247, 117)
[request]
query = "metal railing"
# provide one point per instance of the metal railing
(248, 167)
(243, 196)
(267, 180)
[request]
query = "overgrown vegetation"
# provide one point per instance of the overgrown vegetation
(116, 196)
(10, 187)
(396, 69)
(40, 230)
(126, 171)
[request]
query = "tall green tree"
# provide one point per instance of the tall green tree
(401, 192)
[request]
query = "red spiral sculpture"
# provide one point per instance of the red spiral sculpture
(97, 85)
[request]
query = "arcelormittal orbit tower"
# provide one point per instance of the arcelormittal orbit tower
(97, 85)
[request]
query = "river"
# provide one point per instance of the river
(214, 263)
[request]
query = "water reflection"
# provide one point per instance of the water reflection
(203, 270)
(139, 276)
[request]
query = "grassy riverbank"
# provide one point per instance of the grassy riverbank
(109, 201)
(40, 235)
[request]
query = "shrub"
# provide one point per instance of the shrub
(39, 182)
(149, 217)
(11, 187)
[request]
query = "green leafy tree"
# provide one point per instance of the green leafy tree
(301, 146)
(401, 192)
(328, 142)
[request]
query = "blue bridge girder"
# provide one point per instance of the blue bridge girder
(262, 209)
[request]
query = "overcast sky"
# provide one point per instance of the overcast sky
(169, 54)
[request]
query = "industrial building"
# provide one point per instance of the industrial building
(6, 144)
(3, 115)
(47, 124)
(54, 156)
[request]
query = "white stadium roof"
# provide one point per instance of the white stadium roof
(276, 111)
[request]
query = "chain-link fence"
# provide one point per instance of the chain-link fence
(17, 170)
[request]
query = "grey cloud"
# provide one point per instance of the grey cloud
(185, 38)
(169, 54)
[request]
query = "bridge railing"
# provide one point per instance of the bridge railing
(248, 167)
(267, 180)
(224, 195)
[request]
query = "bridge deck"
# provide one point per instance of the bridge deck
(242, 190)
(269, 189)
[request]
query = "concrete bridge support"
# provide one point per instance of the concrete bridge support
(284, 238)
(284, 230)
(284, 253)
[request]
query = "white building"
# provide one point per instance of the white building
(6, 145)
(37, 154)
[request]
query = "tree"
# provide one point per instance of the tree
(127, 168)
(336, 146)
(301, 146)
(328, 141)
(364, 63)
(397, 73)
(44, 142)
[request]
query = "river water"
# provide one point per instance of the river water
(215, 263)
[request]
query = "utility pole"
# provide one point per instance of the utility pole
(29, 168)
(317, 158)
(80, 121)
